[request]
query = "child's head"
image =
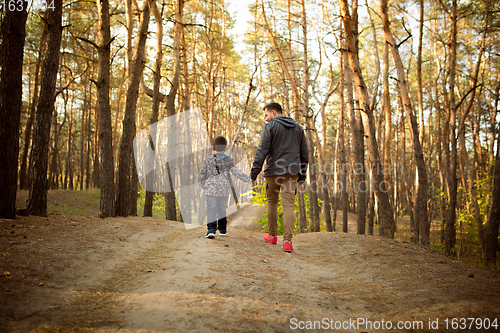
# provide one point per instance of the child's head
(219, 143)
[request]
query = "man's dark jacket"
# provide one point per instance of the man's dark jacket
(283, 145)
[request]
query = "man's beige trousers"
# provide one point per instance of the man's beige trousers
(287, 184)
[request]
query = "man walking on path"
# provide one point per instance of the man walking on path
(283, 145)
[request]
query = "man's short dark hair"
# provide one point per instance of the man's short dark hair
(274, 106)
(219, 143)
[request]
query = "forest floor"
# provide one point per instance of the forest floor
(77, 273)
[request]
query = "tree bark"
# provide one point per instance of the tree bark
(421, 221)
(419, 73)
(386, 102)
(170, 202)
(148, 201)
(88, 140)
(469, 171)
(125, 167)
(13, 35)
(53, 170)
(358, 154)
(23, 173)
(451, 233)
(68, 177)
(491, 229)
(313, 193)
(325, 189)
(96, 174)
(387, 225)
(107, 201)
(38, 192)
(341, 148)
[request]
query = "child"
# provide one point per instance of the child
(214, 179)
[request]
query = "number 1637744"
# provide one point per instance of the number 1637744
(22, 5)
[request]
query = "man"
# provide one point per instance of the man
(283, 145)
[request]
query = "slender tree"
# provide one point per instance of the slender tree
(38, 191)
(125, 168)
(491, 230)
(23, 173)
(13, 33)
(107, 201)
(148, 201)
(451, 216)
(387, 224)
(422, 190)
(170, 210)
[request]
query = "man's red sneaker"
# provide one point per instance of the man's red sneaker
(287, 246)
(270, 239)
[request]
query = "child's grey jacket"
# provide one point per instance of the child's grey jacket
(214, 175)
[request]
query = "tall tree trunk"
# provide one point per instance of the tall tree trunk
(68, 178)
(107, 173)
(88, 141)
(419, 73)
(407, 182)
(125, 167)
(187, 85)
(387, 225)
(83, 126)
(38, 192)
(325, 189)
(386, 102)
(313, 193)
(53, 170)
(470, 171)
(96, 174)
(358, 153)
(170, 206)
(491, 229)
(213, 66)
(13, 33)
(493, 124)
(451, 233)
(314, 209)
(148, 201)
(341, 148)
(421, 220)
(23, 173)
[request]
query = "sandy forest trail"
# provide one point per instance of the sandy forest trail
(69, 273)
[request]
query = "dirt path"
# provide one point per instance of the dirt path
(239, 283)
(79, 274)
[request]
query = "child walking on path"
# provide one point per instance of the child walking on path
(214, 180)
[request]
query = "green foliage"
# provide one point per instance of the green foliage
(437, 247)
(158, 204)
(466, 221)
(260, 199)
